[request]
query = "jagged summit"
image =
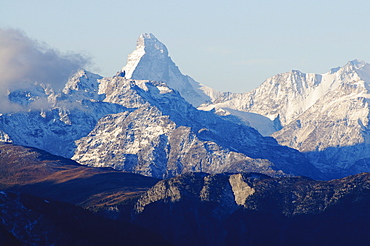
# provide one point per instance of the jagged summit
(150, 61)
(82, 85)
(147, 35)
(290, 94)
(326, 116)
(357, 63)
(149, 46)
(150, 43)
(353, 66)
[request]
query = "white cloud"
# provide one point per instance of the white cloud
(23, 60)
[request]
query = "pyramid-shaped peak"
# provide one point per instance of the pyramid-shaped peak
(150, 44)
(150, 61)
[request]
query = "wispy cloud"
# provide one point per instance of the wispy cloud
(24, 61)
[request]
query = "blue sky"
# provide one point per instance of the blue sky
(228, 45)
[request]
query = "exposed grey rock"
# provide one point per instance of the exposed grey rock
(242, 209)
(63, 118)
(166, 136)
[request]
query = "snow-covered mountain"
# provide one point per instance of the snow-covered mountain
(53, 121)
(334, 133)
(150, 61)
(261, 123)
(143, 126)
(282, 97)
(323, 115)
(143, 120)
(165, 136)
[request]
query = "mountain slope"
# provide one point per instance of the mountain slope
(255, 209)
(150, 61)
(325, 116)
(334, 132)
(53, 121)
(142, 126)
(166, 136)
(283, 96)
(39, 173)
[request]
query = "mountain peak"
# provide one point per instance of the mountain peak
(357, 63)
(142, 68)
(354, 65)
(147, 35)
(150, 61)
(150, 44)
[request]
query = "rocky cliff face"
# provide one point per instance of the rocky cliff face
(242, 209)
(53, 121)
(165, 136)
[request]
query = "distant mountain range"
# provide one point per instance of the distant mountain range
(189, 209)
(325, 116)
(144, 120)
(150, 156)
(144, 126)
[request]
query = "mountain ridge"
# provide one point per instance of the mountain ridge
(192, 208)
(38, 173)
(325, 116)
(149, 127)
(171, 122)
(238, 209)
